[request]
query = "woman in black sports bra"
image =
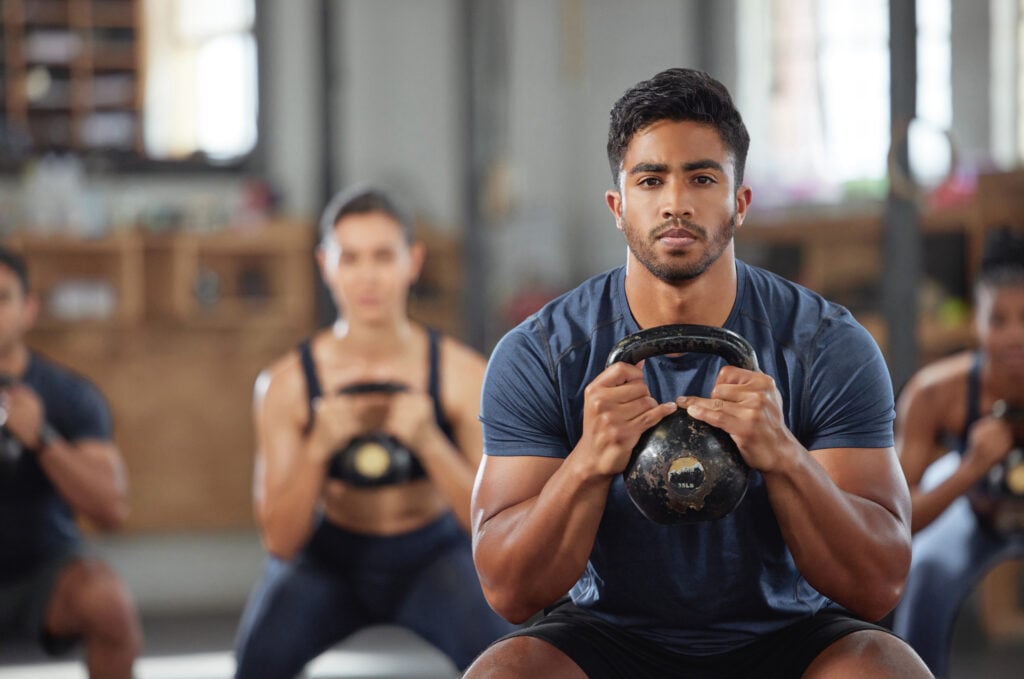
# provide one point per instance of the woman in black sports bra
(954, 420)
(368, 443)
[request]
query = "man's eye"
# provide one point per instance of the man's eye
(650, 181)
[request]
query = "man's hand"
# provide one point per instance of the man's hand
(747, 405)
(25, 414)
(617, 409)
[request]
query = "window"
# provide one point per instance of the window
(814, 88)
(201, 79)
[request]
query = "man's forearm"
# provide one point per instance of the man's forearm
(852, 549)
(531, 554)
(89, 477)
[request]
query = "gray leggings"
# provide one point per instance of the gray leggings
(342, 582)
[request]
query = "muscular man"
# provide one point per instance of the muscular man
(971, 403)
(783, 586)
(347, 549)
(57, 463)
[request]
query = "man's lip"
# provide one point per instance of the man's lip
(677, 233)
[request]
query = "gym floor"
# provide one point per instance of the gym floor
(198, 647)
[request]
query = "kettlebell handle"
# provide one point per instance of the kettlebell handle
(684, 337)
(357, 388)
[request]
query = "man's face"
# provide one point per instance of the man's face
(677, 205)
(16, 310)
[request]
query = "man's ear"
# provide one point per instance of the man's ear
(30, 311)
(613, 199)
(743, 196)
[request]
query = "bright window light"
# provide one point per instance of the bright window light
(201, 79)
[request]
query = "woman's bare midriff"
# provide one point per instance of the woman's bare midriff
(383, 511)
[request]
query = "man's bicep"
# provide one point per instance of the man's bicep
(871, 473)
(505, 481)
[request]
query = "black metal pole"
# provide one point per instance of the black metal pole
(474, 246)
(326, 312)
(902, 237)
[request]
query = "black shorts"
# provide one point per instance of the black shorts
(604, 651)
(24, 602)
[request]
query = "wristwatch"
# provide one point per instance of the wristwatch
(47, 435)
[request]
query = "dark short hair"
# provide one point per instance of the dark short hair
(16, 263)
(677, 94)
(1002, 260)
(362, 199)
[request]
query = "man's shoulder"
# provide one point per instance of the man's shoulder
(766, 282)
(47, 373)
(579, 317)
(786, 305)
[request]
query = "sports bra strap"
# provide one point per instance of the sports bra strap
(973, 398)
(313, 390)
(434, 379)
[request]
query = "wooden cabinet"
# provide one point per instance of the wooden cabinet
(71, 74)
(436, 298)
(176, 354)
(91, 281)
(234, 278)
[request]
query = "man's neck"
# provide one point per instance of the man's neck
(707, 299)
(14, 359)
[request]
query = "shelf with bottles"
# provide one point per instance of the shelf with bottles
(72, 73)
(236, 277)
(98, 281)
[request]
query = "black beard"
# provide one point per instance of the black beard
(671, 272)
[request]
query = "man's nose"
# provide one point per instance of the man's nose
(678, 204)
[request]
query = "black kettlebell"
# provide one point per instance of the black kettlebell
(10, 448)
(375, 458)
(1011, 469)
(684, 470)
(998, 497)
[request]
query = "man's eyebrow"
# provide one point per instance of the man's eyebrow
(706, 164)
(661, 168)
(641, 168)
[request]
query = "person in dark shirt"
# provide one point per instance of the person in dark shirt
(788, 583)
(58, 463)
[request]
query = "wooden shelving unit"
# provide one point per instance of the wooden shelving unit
(72, 75)
(177, 361)
(260, 276)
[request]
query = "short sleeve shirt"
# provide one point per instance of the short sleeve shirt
(35, 521)
(707, 587)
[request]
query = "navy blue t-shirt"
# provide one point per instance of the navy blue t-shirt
(35, 522)
(708, 587)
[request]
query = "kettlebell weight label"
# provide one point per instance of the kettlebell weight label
(371, 460)
(686, 473)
